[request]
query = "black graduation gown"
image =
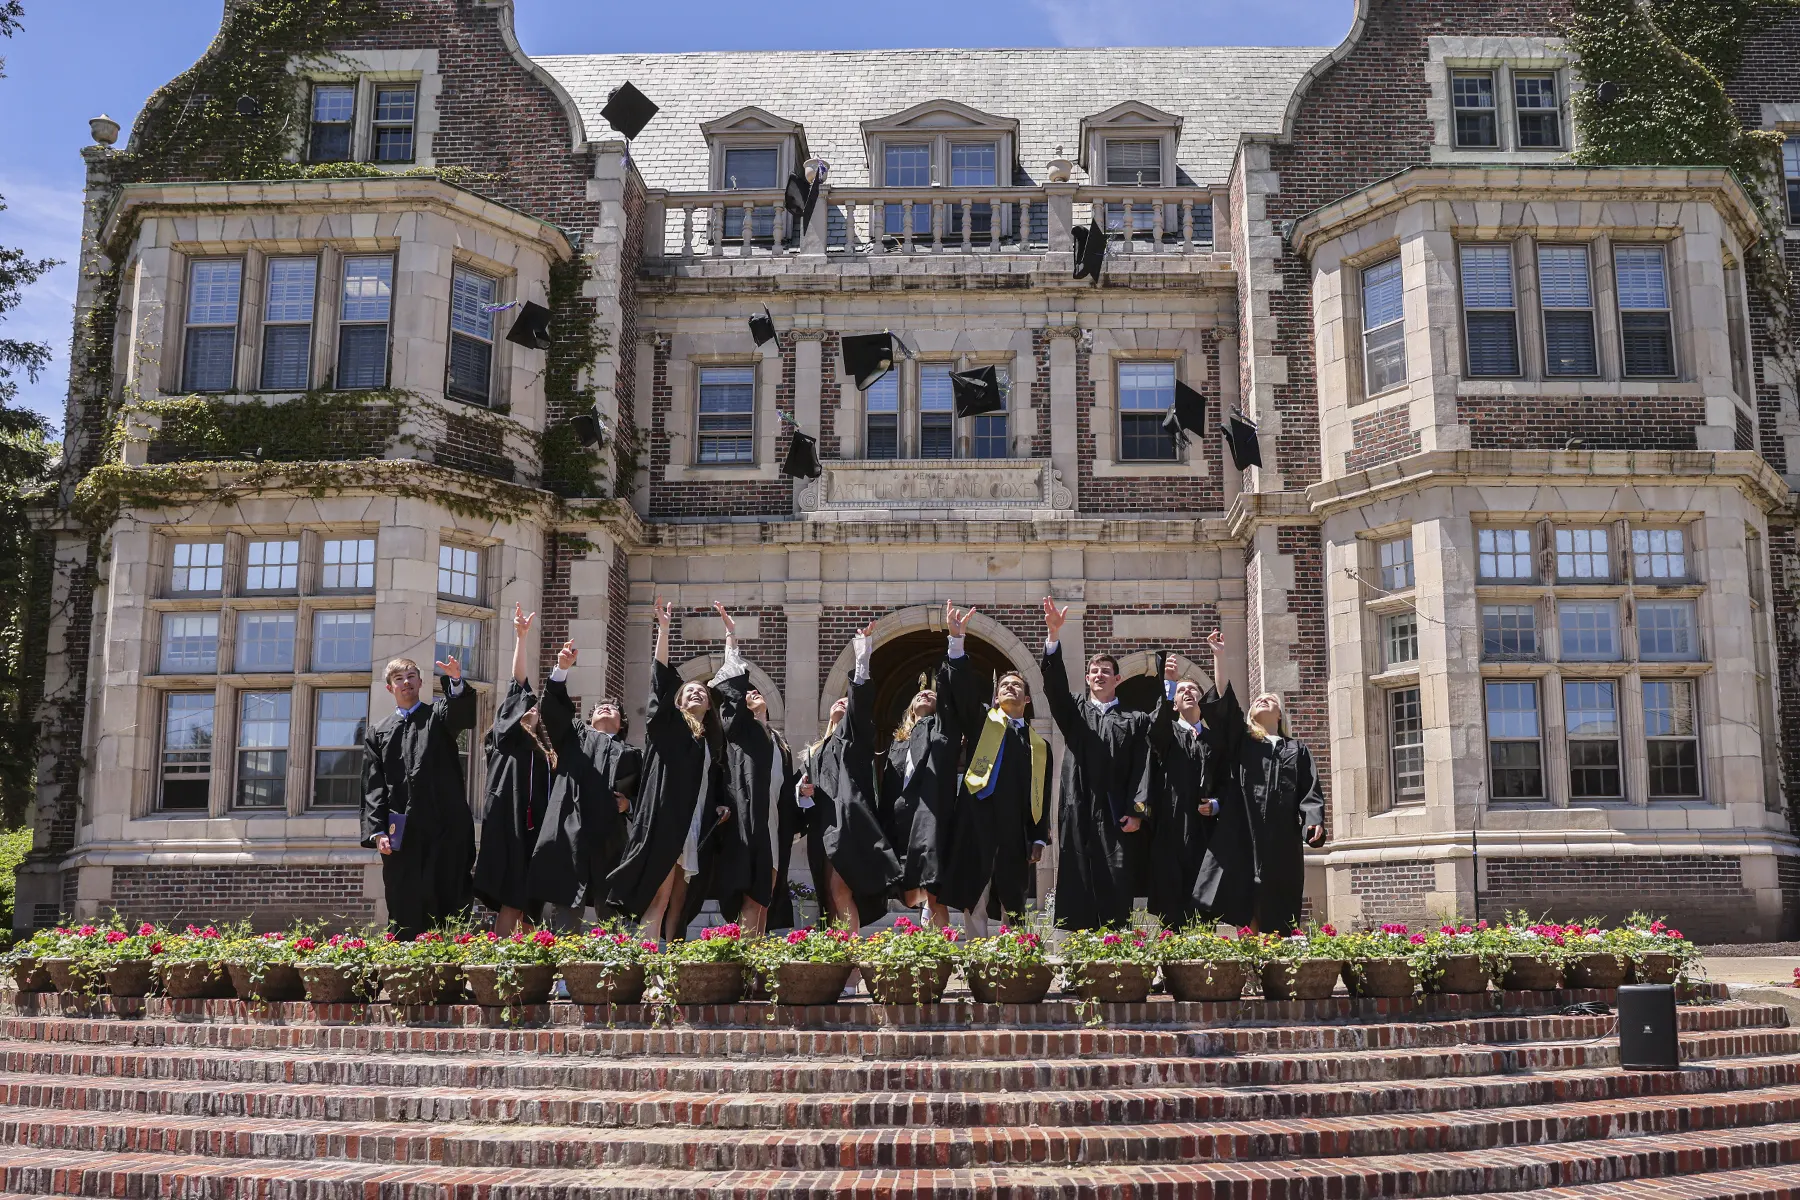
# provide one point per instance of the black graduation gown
(673, 774)
(991, 838)
(1255, 867)
(583, 830)
(1179, 834)
(1105, 777)
(411, 766)
(915, 812)
(843, 826)
(747, 862)
(518, 794)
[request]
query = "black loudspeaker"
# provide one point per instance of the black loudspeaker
(1647, 1035)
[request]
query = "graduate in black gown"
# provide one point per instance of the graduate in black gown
(1001, 818)
(682, 800)
(1271, 809)
(522, 765)
(415, 807)
(851, 859)
(583, 830)
(1102, 861)
(1184, 810)
(918, 794)
(752, 853)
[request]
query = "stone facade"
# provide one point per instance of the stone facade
(1604, 720)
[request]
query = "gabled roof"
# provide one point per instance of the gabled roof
(1217, 91)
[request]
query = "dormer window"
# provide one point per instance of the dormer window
(751, 168)
(754, 150)
(942, 144)
(1136, 161)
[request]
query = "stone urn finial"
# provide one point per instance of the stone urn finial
(104, 129)
(1059, 168)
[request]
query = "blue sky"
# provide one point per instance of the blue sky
(78, 58)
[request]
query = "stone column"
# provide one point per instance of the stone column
(1230, 388)
(802, 665)
(808, 376)
(1061, 208)
(1063, 454)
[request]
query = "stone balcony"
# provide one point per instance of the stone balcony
(936, 489)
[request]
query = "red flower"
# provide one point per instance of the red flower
(950, 935)
(87, 931)
(794, 937)
(355, 944)
(427, 937)
(271, 936)
(389, 937)
(1675, 933)
(1243, 931)
(650, 946)
(1166, 935)
(1005, 929)
(619, 938)
(156, 947)
(1111, 939)
(146, 929)
(544, 937)
(209, 932)
(463, 939)
(1481, 925)
(192, 932)
(1328, 931)
(114, 936)
(305, 943)
(1417, 939)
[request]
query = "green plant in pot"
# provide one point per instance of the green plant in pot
(1303, 965)
(1381, 962)
(606, 965)
(804, 966)
(1657, 951)
(75, 958)
(1459, 958)
(192, 964)
(25, 960)
(705, 970)
(1012, 967)
(910, 963)
(339, 970)
(129, 959)
(1593, 961)
(1535, 953)
(1109, 965)
(506, 972)
(266, 966)
(1201, 965)
(426, 970)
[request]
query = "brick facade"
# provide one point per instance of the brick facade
(1708, 893)
(269, 897)
(1148, 493)
(1381, 437)
(1610, 423)
(1393, 892)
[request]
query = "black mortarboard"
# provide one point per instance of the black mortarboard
(762, 326)
(802, 457)
(628, 110)
(531, 328)
(1090, 251)
(869, 356)
(976, 391)
(1240, 439)
(1188, 413)
(800, 197)
(589, 429)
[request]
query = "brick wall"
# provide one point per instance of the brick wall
(1097, 623)
(1393, 892)
(475, 445)
(768, 650)
(1305, 704)
(1148, 494)
(1704, 897)
(831, 394)
(270, 897)
(714, 498)
(1787, 873)
(557, 605)
(1784, 588)
(1381, 437)
(1040, 393)
(1253, 622)
(618, 586)
(1602, 423)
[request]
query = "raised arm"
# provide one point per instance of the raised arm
(557, 710)
(664, 682)
(860, 719)
(960, 708)
(1162, 721)
(521, 671)
(731, 686)
(457, 707)
(1065, 708)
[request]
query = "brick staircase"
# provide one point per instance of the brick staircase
(1440, 1096)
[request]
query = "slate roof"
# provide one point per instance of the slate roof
(1219, 91)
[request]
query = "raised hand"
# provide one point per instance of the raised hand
(1215, 641)
(452, 668)
(665, 612)
(521, 619)
(730, 625)
(565, 658)
(1054, 618)
(957, 620)
(867, 631)
(1171, 669)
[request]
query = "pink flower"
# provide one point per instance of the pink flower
(650, 946)
(1243, 931)
(209, 932)
(1417, 939)
(544, 937)
(1111, 939)
(1166, 935)
(795, 937)
(389, 937)
(271, 936)
(192, 931)
(87, 931)
(427, 937)
(304, 944)
(950, 935)
(903, 923)
(1657, 926)
(621, 938)
(1005, 929)
(146, 929)
(114, 936)
(1328, 930)
(1675, 933)
(1481, 924)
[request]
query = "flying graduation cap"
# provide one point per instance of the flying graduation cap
(531, 328)
(628, 110)
(1090, 251)
(869, 356)
(1240, 439)
(800, 197)
(802, 460)
(590, 429)
(1188, 413)
(977, 391)
(762, 326)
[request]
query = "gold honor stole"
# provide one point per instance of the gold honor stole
(981, 777)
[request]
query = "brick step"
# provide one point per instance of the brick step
(778, 1042)
(1508, 1169)
(803, 1149)
(851, 1014)
(1754, 1183)
(826, 1109)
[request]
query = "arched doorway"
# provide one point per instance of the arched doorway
(898, 663)
(1141, 685)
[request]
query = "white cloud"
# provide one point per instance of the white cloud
(1093, 22)
(44, 222)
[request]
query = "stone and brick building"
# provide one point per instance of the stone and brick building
(1520, 556)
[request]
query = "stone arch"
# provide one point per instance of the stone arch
(705, 666)
(909, 620)
(1143, 662)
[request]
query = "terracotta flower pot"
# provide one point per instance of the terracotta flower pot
(1203, 981)
(195, 980)
(280, 981)
(1464, 975)
(30, 976)
(810, 982)
(74, 976)
(1112, 982)
(1390, 977)
(330, 983)
(528, 985)
(603, 983)
(1308, 979)
(707, 983)
(907, 985)
(1597, 971)
(422, 983)
(1527, 974)
(1655, 968)
(131, 977)
(1009, 985)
